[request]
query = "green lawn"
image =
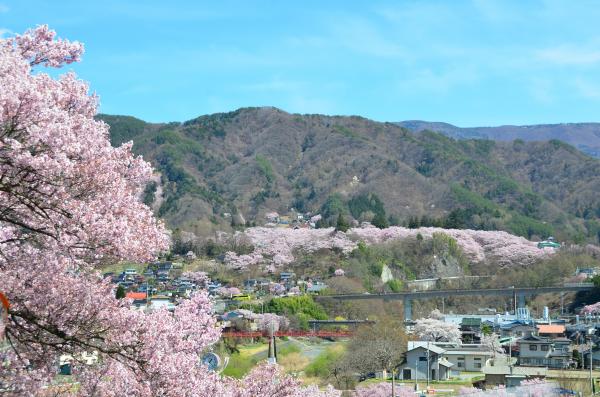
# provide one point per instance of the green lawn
(250, 355)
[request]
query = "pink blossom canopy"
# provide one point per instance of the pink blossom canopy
(69, 204)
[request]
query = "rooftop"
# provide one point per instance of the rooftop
(519, 370)
(471, 321)
(432, 347)
(136, 295)
(551, 329)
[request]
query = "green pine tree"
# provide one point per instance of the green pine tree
(342, 224)
(380, 221)
(120, 294)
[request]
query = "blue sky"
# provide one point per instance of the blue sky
(469, 63)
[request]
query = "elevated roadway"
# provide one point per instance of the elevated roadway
(408, 296)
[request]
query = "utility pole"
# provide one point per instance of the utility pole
(591, 357)
(393, 394)
(416, 373)
(428, 365)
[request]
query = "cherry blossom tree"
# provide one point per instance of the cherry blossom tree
(200, 278)
(272, 322)
(436, 314)
(492, 343)
(276, 289)
(591, 309)
(339, 272)
(228, 291)
(383, 389)
(295, 290)
(274, 247)
(269, 380)
(69, 203)
(430, 329)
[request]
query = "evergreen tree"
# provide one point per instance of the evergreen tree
(342, 224)
(380, 221)
(120, 294)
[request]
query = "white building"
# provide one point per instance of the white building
(439, 360)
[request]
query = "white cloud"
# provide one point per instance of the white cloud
(361, 36)
(569, 55)
(5, 32)
(440, 82)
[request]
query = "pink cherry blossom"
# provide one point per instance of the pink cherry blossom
(228, 291)
(69, 203)
(295, 290)
(276, 289)
(591, 309)
(383, 389)
(274, 247)
(272, 322)
(430, 329)
(339, 272)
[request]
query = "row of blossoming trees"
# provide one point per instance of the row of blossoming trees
(275, 247)
(68, 204)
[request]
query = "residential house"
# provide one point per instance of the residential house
(470, 328)
(540, 351)
(287, 279)
(510, 376)
(464, 356)
(136, 295)
(468, 357)
(551, 330)
(250, 284)
(587, 272)
(139, 298)
(517, 328)
(165, 266)
(239, 320)
(65, 361)
(425, 362)
(160, 302)
(595, 358)
(316, 287)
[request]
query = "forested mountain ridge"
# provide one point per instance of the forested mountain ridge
(584, 136)
(255, 160)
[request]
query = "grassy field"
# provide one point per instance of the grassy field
(250, 355)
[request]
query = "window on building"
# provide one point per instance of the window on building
(423, 358)
(532, 348)
(477, 365)
(477, 358)
(544, 348)
(460, 364)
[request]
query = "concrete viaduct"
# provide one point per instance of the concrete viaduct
(519, 293)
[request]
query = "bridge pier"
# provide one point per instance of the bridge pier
(407, 303)
(521, 298)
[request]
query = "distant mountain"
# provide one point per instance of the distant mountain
(584, 136)
(237, 166)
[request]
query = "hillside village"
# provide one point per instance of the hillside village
(485, 350)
